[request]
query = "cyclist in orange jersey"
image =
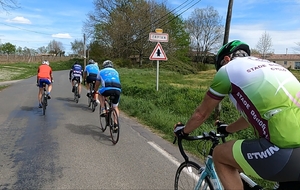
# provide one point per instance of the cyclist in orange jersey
(44, 75)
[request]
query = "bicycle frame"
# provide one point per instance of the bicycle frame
(209, 170)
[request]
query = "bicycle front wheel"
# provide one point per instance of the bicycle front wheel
(187, 177)
(103, 120)
(114, 125)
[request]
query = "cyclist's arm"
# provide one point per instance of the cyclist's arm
(238, 125)
(201, 113)
(70, 73)
(51, 75)
(97, 84)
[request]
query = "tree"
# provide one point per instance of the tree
(8, 4)
(55, 47)
(264, 45)
(206, 31)
(77, 47)
(119, 26)
(42, 50)
(8, 48)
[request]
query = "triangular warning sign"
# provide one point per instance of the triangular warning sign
(158, 53)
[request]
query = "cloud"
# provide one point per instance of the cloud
(19, 19)
(61, 35)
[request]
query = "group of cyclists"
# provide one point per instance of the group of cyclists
(107, 81)
(266, 95)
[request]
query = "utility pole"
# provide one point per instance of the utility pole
(225, 41)
(84, 51)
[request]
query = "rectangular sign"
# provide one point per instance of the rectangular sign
(158, 37)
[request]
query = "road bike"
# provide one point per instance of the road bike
(110, 119)
(76, 90)
(191, 175)
(44, 98)
(91, 100)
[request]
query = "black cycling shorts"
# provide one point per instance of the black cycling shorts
(112, 92)
(91, 78)
(261, 158)
(76, 78)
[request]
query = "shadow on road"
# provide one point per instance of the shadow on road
(65, 99)
(91, 130)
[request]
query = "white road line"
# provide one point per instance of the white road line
(164, 153)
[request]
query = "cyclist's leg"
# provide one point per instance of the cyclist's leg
(262, 159)
(40, 85)
(226, 166)
(88, 81)
(116, 100)
(79, 85)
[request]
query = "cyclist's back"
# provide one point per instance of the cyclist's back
(92, 69)
(109, 80)
(271, 106)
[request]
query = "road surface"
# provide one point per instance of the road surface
(65, 149)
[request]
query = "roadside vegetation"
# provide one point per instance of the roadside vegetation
(179, 92)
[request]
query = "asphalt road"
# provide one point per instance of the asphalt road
(65, 149)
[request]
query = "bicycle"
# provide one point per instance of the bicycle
(44, 98)
(190, 175)
(76, 91)
(91, 100)
(110, 119)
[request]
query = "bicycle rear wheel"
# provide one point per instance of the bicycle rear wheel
(103, 120)
(114, 126)
(76, 94)
(187, 176)
(44, 102)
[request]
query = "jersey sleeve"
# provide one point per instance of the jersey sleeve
(220, 86)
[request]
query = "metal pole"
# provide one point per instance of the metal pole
(84, 51)
(157, 74)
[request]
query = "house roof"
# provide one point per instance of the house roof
(281, 57)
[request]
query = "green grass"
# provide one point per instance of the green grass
(16, 71)
(3, 87)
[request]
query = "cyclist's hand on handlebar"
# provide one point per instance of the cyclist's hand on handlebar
(221, 127)
(178, 130)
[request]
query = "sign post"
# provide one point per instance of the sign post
(158, 52)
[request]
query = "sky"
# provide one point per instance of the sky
(35, 23)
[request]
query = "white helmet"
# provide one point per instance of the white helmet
(45, 62)
(108, 63)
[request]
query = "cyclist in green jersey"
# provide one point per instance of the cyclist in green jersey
(268, 97)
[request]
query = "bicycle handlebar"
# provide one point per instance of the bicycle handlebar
(210, 136)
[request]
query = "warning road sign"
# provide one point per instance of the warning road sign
(158, 53)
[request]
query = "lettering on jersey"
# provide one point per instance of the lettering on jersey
(264, 154)
(254, 117)
(255, 68)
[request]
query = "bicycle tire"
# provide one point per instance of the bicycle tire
(44, 103)
(187, 176)
(76, 94)
(103, 120)
(115, 134)
(93, 105)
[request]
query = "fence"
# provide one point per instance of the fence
(31, 59)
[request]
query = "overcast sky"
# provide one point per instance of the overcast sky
(37, 22)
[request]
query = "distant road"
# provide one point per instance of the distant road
(65, 149)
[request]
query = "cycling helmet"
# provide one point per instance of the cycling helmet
(108, 63)
(228, 49)
(91, 61)
(45, 62)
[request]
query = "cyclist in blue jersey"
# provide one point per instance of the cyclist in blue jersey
(90, 74)
(109, 79)
(76, 74)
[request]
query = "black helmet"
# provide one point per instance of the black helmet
(91, 61)
(108, 63)
(228, 49)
